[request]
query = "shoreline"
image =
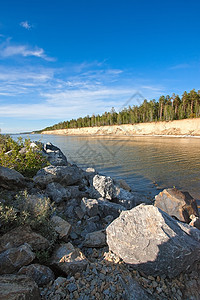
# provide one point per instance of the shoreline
(186, 128)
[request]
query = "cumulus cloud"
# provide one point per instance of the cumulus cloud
(26, 25)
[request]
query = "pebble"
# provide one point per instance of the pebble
(101, 280)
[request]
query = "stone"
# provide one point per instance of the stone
(104, 186)
(62, 227)
(68, 259)
(42, 275)
(57, 192)
(20, 235)
(177, 204)
(55, 155)
(106, 208)
(153, 242)
(65, 175)
(195, 221)
(15, 287)
(96, 239)
(13, 259)
(90, 206)
(125, 198)
(124, 185)
(11, 179)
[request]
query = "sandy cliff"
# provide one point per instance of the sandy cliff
(189, 127)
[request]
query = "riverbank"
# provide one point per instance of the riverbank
(177, 128)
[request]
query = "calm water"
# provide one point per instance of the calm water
(141, 161)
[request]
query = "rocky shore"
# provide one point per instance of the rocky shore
(94, 238)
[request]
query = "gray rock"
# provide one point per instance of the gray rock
(89, 206)
(96, 239)
(20, 235)
(10, 178)
(122, 184)
(57, 192)
(42, 275)
(69, 211)
(65, 175)
(15, 287)
(125, 198)
(62, 227)
(109, 208)
(133, 290)
(177, 204)
(55, 155)
(13, 259)
(68, 259)
(104, 186)
(153, 242)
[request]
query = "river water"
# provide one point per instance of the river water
(148, 164)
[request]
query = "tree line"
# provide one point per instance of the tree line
(165, 109)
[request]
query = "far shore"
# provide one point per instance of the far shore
(187, 128)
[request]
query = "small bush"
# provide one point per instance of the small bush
(27, 163)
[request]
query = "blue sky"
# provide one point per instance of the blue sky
(65, 59)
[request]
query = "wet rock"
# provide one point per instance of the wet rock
(65, 175)
(104, 186)
(153, 242)
(95, 239)
(42, 275)
(55, 155)
(122, 184)
(20, 235)
(11, 179)
(62, 227)
(68, 259)
(57, 192)
(15, 287)
(177, 204)
(89, 206)
(13, 259)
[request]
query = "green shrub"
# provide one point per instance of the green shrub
(33, 210)
(27, 163)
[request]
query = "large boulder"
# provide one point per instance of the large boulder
(68, 259)
(153, 242)
(13, 259)
(55, 155)
(42, 275)
(177, 204)
(65, 175)
(10, 178)
(20, 235)
(15, 287)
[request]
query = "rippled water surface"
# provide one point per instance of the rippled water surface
(141, 161)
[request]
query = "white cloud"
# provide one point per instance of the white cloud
(26, 25)
(24, 51)
(180, 66)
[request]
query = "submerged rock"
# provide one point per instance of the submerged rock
(153, 242)
(177, 204)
